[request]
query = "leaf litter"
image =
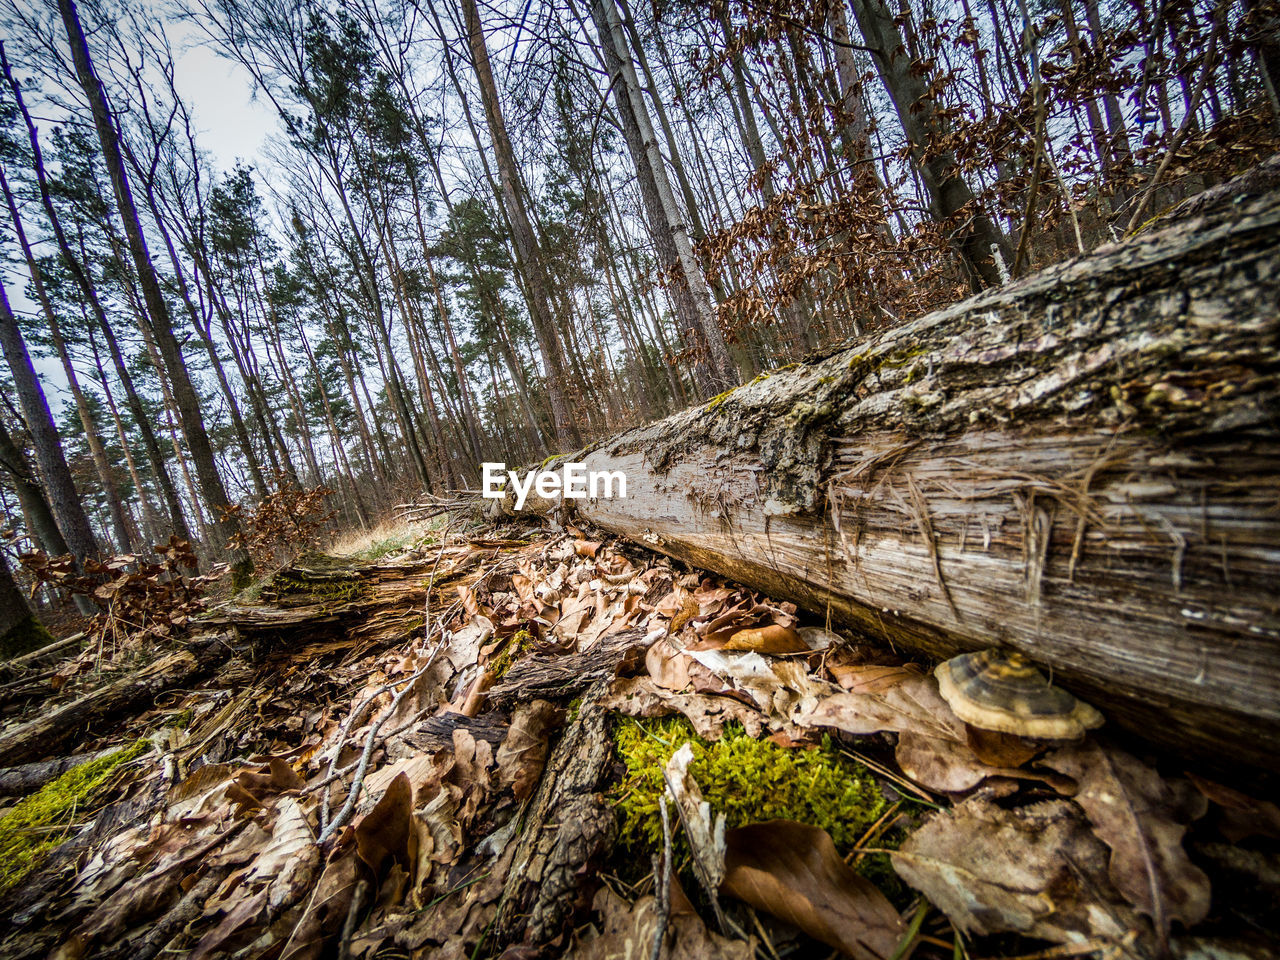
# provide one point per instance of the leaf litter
(402, 781)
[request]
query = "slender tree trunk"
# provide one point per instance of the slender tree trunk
(949, 195)
(63, 497)
(531, 260)
(215, 494)
(96, 450)
(714, 370)
(20, 631)
(35, 506)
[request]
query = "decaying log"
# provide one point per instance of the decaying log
(569, 827)
(50, 731)
(27, 777)
(1083, 465)
(560, 677)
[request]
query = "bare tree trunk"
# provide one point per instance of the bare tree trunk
(63, 497)
(99, 454)
(1081, 465)
(20, 631)
(35, 506)
(690, 295)
(215, 494)
(949, 195)
(533, 266)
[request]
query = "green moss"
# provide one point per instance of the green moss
(37, 824)
(747, 780)
(26, 635)
(510, 653)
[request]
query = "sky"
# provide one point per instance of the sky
(231, 123)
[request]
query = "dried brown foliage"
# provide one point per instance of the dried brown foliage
(285, 523)
(139, 599)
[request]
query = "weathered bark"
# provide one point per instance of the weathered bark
(51, 731)
(29, 777)
(570, 826)
(1082, 465)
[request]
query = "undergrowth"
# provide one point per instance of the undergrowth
(38, 823)
(749, 781)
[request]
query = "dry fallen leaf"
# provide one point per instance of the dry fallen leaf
(1242, 815)
(792, 870)
(523, 753)
(629, 931)
(1131, 809)
(1038, 871)
(705, 835)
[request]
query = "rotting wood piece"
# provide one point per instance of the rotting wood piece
(551, 677)
(27, 777)
(1082, 465)
(436, 733)
(51, 731)
(569, 827)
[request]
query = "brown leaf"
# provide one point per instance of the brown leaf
(384, 834)
(872, 678)
(773, 639)
(627, 930)
(586, 548)
(1242, 815)
(523, 753)
(792, 870)
(1038, 871)
(326, 910)
(1001, 749)
(1130, 807)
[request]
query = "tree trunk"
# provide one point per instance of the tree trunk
(1082, 465)
(523, 237)
(215, 494)
(96, 450)
(20, 631)
(64, 499)
(948, 193)
(35, 506)
(715, 370)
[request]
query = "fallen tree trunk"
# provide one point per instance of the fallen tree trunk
(1083, 465)
(46, 734)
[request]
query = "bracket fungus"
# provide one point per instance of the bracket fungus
(1001, 690)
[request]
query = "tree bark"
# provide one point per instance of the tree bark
(530, 258)
(948, 192)
(66, 503)
(1081, 465)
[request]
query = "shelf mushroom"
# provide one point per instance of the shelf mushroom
(1001, 690)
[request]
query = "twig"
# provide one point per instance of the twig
(349, 927)
(663, 889)
(370, 741)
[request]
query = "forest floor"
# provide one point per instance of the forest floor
(466, 741)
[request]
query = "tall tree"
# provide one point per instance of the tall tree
(185, 395)
(529, 254)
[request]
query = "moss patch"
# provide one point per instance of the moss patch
(518, 644)
(37, 824)
(747, 780)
